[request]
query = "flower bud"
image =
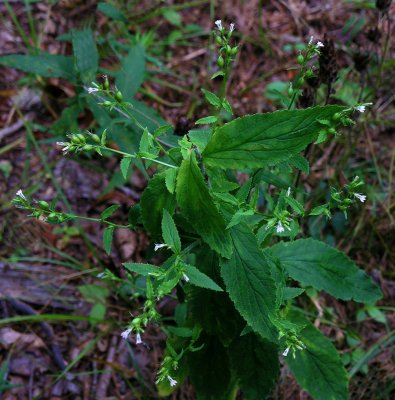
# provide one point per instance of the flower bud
(106, 83)
(52, 218)
(220, 62)
(107, 103)
(336, 116)
(234, 50)
(81, 137)
(75, 139)
(88, 147)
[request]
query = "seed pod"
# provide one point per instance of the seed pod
(300, 59)
(107, 103)
(219, 40)
(300, 82)
(220, 62)
(136, 321)
(118, 96)
(228, 49)
(106, 83)
(332, 131)
(95, 138)
(43, 205)
(88, 147)
(75, 139)
(81, 137)
(52, 218)
(234, 50)
(337, 116)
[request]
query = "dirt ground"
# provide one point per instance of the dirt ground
(43, 267)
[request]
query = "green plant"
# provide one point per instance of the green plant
(229, 245)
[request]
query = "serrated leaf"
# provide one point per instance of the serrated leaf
(199, 209)
(131, 72)
(239, 216)
(154, 199)
(125, 164)
(170, 179)
(291, 292)
(161, 130)
(219, 181)
(200, 279)
(46, 65)
(212, 98)
(248, 280)
(259, 140)
(109, 211)
(141, 269)
(322, 209)
(211, 119)
(170, 233)
(108, 235)
(318, 368)
(86, 57)
(314, 263)
(255, 362)
(295, 205)
(300, 162)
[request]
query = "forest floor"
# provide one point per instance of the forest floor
(52, 269)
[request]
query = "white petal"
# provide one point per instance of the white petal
(218, 22)
(20, 194)
(159, 246)
(311, 39)
(286, 351)
(138, 339)
(125, 334)
(280, 227)
(360, 197)
(319, 44)
(185, 277)
(92, 89)
(172, 381)
(231, 27)
(360, 108)
(288, 192)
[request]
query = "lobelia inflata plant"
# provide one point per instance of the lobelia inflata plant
(230, 251)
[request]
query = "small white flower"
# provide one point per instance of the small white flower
(125, 334)
(138, 339)
(172, 381)
(311, 40)
(101, 275)
(159, 246)
(289, 192)
(319, 44)
(360, 197)
(218, 22)
(280, 227)
(231, 27)
(92, 89)
(361, 108)
(20, 194)
(185, 277)
(286, 351)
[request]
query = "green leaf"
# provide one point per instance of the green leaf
(86, 57)
(318, 368)
(212, 98)
(217, 74)
(200, 279)
(300, 162)
(295, 205)
(111, 11)
(226, 105)
(108, 235)
(211, 119)
(161, 130)
(199, 137)
(170, 179)
(199, 209)
(97, 313)
(131, 73)
(219, 181)
(314, 263)
(249, 282)
(94, 293)
(173, 17)
(214, 380)
(170, 232)
(255, 362)
(154, 199)
(259, 140)
(125, 164)
(109, 211)
(141, 269)
(239, 216)
(45, 65)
